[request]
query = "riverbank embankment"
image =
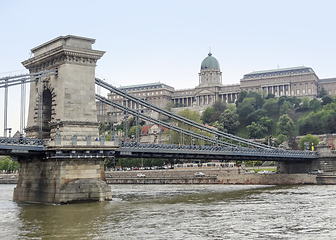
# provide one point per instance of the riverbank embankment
(212, 176)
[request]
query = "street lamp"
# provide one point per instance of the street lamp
(155, 136)
(9, 130)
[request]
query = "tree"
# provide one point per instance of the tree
(208, 115)
(285, 107)
(259, 101)
(219, 106)
(256, 115)
(241, 96)
(177, 137)
(8, 165)
(271, 106)
(285, 126)
(314, 105)
(256, 130)
(312, 140)
(322, 93)
(327, 99)
(228, 120)
(305, 103)
(245, 108)
(266, 122)
(279, 139)
(269, 96)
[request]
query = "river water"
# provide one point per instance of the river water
(179, 212)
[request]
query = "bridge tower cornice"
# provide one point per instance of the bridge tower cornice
(61, 55)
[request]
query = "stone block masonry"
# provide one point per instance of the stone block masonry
(62, 181)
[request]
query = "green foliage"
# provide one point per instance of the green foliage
(256, 115)
(312, 140)
(108, 137)
(228, 121)
(176, 105)
(285, 107)
(322, 93)
(259, 101)
(219, 106)
(8, 165)
(109, 162)
(246, 107)
(132, 131)
(179, 138)
(327, 99)
(256, 130)
(208, 115)
(211, 114)
(266, 122)
(315, 105)
(241, 96)
(271, 106)
(279, 139)
(138, 162)
(285, 126)
(322, 121)
(305, 103)
(270, 95)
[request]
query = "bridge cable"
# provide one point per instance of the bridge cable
(177, 117)
(175, 128)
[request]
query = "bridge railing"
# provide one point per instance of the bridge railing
(21, 141)
(212, 149)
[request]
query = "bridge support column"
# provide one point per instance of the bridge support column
(62, 180)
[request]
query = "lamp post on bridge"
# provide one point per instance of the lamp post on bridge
(9, 130)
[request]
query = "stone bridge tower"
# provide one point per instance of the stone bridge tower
(65, 172)
(69, 96)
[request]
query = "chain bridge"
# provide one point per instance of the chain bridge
(61, 157)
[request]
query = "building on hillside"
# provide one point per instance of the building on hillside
(329, 84)
(153, 134)
(295, 81)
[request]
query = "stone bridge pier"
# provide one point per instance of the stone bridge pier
(325, 162)
(62, 111)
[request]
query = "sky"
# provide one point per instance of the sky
(166, 40)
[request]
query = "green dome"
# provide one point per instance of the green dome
(210, 62)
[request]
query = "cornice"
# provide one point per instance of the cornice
(61, 55)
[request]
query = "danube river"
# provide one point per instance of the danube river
(179, 212)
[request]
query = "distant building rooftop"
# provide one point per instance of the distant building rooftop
(327, 80)
(278, 72)
(145, 86)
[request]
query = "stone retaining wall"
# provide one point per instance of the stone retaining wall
(233, 176)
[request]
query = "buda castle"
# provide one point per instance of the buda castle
(295, 81)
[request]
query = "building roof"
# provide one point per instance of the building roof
(145, 129)
(145, 86)
(279, 71)
(327, 80)
(210, 62)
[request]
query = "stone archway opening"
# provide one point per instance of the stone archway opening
(46, 113)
